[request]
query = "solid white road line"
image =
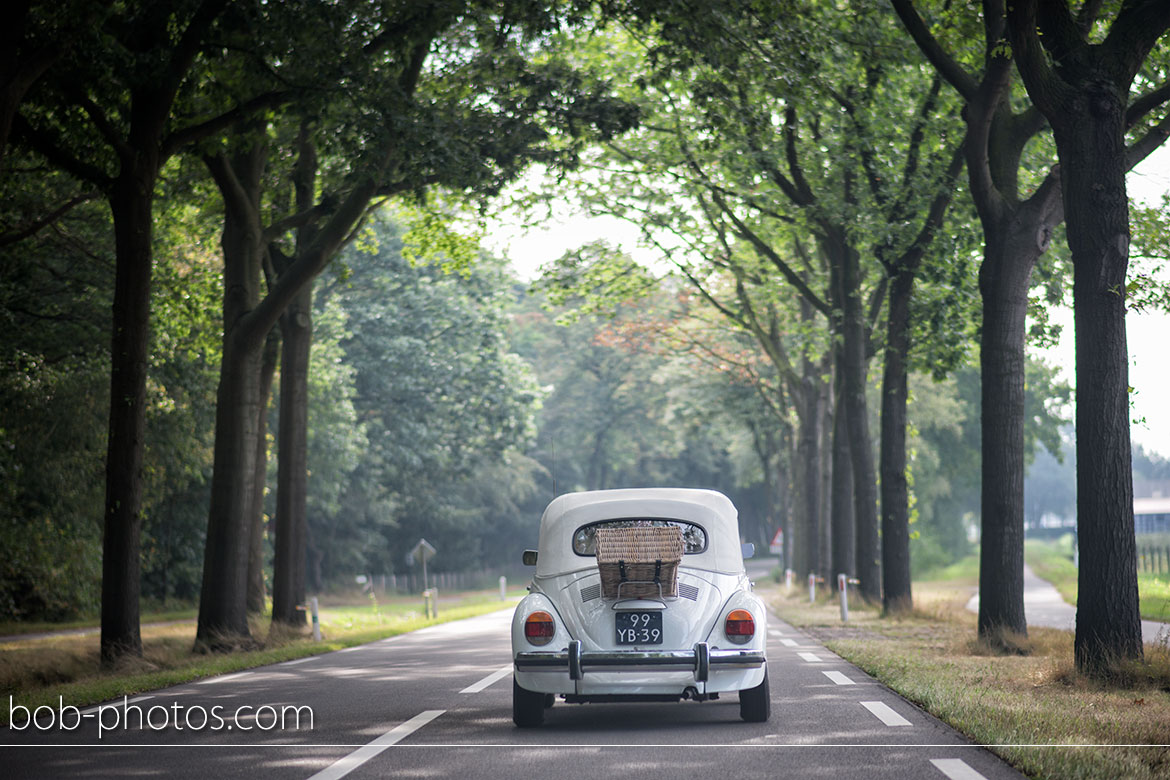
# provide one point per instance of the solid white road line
(788, 642)
(838, 678)
(499, 674)
(224, 678)
(956, 769)
(810, 657)
(883, 713)
(301, 660)
(344, 766)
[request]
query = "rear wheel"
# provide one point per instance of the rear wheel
(755, 704)
(527, 706)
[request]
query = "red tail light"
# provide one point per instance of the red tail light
(740, 627)
(539, 628)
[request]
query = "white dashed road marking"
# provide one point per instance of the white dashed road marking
(838, 678)
(300, 660)
(788, 642)
(499, 674)
(135, 700)
(883, 713)
(224, 678)
(810, 657)
(956, 769)
(344, 766)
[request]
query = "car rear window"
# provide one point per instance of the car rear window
(693, 536)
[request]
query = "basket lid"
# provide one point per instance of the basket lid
(639, 544)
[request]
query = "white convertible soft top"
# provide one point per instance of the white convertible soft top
(709, 509)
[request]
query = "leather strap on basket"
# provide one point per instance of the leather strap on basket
(621, 571)
(658, 572)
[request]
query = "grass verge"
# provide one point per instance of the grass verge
(1031, 708)
(39, 672)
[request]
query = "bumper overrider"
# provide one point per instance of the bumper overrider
(700, 659)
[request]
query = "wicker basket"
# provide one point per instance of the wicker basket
(639, 562)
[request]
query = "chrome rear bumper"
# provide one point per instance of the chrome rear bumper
(700, 660)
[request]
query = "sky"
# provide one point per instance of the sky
(1147, 332)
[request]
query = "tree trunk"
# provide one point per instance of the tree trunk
(288, 570)
(1015, 241)
(857, 421)
(223, 605)
(809, 459)
(844, 533)
(1084, 96)
(131, 202)
(895, 491)
(786, 479)
(256, 587)
(223, 613)
(825, 433)
(1090, 141)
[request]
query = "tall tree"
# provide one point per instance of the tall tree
(1079, 71)
(1019, 206)
(1016, 232)
(394, 125)
(123, 100)
(764, 158)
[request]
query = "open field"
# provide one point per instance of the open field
(37, 671)
(1031, 708)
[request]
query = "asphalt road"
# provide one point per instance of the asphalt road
(437, 703)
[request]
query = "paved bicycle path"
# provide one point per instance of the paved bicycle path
(1044, 606)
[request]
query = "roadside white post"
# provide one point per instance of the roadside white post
(503, 588)
(812, 588)
(842, 588)
(316, 620)
(789, 577)
(423, 552)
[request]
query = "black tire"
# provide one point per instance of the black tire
(527, 706)
(549, 700)
(755, 704)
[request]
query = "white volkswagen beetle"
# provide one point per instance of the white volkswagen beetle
(624, 624)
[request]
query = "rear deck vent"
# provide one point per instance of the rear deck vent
(688, 591)
(590, 592)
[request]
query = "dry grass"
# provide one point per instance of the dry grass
(1026, 701)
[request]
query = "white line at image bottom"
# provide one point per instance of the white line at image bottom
(885, 713)
(563, 746)
(499, 674)
(344, 766)
(956, 769)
